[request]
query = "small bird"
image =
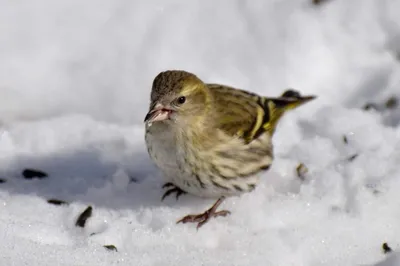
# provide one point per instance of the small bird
(211, 140)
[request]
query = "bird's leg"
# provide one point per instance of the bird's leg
(204, 217)
(172, 189)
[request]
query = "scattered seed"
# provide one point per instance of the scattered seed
(57, 202)
(318, 2)
(375, 192)
(386, 249)
(351, 158)
(301, 170)
(370, 106)
(372, 188)
(2, 180)
(87, 213)
(111, 248)
(392, 103)
(33, 173)
(132, 179)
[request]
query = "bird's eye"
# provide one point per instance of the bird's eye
(181, 100)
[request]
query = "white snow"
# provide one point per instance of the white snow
(75, 80)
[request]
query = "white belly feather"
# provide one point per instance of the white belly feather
(171, 158)
(162, 149)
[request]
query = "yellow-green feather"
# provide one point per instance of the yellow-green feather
(245, 114)
(239, 113)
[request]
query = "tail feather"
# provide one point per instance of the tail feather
(274, 108)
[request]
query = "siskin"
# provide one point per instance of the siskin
(211, 140)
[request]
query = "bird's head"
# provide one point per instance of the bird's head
(176, 96)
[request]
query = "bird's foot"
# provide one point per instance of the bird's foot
(172, 189)
(204, 217)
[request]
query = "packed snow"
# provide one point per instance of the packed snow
(75, 79)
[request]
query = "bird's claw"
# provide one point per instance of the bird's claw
(203, 218)
(169, 184)
(174, 189)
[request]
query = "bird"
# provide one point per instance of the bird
(211, 140)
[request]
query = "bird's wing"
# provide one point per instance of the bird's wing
(248, 115)
(239, 113)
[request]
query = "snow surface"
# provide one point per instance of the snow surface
(75, 79)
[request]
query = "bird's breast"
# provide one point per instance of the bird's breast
(161, 146)
(230, 167)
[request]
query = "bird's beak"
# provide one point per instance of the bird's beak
(157, 113)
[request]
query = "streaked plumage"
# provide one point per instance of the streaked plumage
(211, 140)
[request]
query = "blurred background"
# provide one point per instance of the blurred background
(100, 57)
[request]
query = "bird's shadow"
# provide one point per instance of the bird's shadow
(82, 175)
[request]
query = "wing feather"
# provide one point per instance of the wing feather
(239, 113)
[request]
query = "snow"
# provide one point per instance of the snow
(75, 80)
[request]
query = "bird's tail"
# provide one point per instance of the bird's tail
(290, 99)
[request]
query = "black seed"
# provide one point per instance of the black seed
(301, 171)
(33, 173)
(111, 248)
(2, 180)
(386, 249)
(391, 103)
(345, 140)
(375, 192)
(369, 106)
(81, 221)
(351, 158)
(57, 202)
(238, 188)
(318, 2)
(132, 179)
